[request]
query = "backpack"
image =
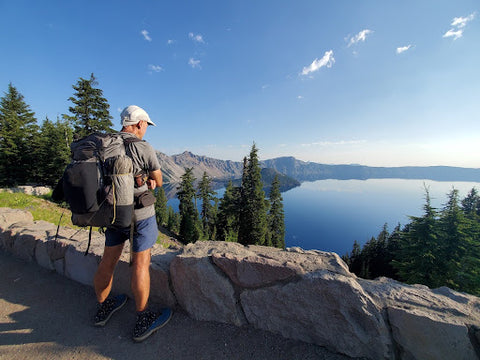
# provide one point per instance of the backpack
(98, 184)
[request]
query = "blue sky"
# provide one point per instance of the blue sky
(380, 83)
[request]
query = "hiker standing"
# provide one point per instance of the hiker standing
(148, 175)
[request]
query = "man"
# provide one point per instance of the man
(134, 122)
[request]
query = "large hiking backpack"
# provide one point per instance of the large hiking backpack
(98, 184)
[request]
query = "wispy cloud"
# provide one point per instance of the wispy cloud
(171, 41)
(458, 26)
(327, 60)
(194, 63)
(402, 49)
(360, 37)
(196, 37)
(461, 22)
(145, 35)
(155, 68)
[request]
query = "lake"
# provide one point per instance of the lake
(330, 215)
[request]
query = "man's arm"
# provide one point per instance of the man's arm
(155, 179)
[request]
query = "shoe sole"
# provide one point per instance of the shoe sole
(147, 334)
(104, 322)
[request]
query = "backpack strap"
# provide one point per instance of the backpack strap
(133, 226)
(89, 241)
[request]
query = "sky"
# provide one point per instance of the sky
(378, 83)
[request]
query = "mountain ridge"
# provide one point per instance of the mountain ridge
(174, 166)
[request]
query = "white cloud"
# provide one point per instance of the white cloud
(299, 97)
(170, 42)
(156, 68)
(458, 24)
(327, 60)
(145, 35)
(196, 37)
(402, 49)
(361, 36)
(461, 22)
(194, 63)
(453, 33)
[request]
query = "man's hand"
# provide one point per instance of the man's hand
(151, 183)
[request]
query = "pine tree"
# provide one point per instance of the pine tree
(173, 222)
(190, 228)
(90, 110)
(253, 215)
(18, 139)
(207, 213)
(471, 205)
(276, 217)
(457, 245)
(53, 150)
(419, 258)
(228, 214)
(161, 207)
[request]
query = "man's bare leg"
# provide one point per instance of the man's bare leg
(141, 279)
(104, 276)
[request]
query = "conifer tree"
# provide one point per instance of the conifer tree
(471, 205)
(276, 217)
(90, 110)
(253, 215)
(161, 207)
(457, 246)
(228, 214)
(419, 258)
(53, 150)
(207, 214)
(173, 222)
(190, 228)
(18, 139)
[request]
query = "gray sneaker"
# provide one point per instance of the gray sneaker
(148, 322)
(107, 309)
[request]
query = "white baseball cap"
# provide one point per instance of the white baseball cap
(133, 114)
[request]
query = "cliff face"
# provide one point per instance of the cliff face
(173, 167)
(306, 295)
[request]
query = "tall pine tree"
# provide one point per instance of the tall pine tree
(90, 109)
(189, 223)
(228, 214)
(161, 207)
(207, 214)
(53, 150)
(253, 215)
(276, 217)
(18, 139)
(419, 259)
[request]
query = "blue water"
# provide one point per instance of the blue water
(330, 215)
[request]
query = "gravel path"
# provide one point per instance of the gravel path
(46, 316)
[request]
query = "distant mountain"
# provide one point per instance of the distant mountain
(309, 171)
(221, 171)
(173, 167)
(296, 171)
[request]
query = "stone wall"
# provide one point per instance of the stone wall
(305, 295)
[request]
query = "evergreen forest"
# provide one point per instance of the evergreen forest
(439, 248)
(37, 154)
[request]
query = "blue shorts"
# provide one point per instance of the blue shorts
(145, 235)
